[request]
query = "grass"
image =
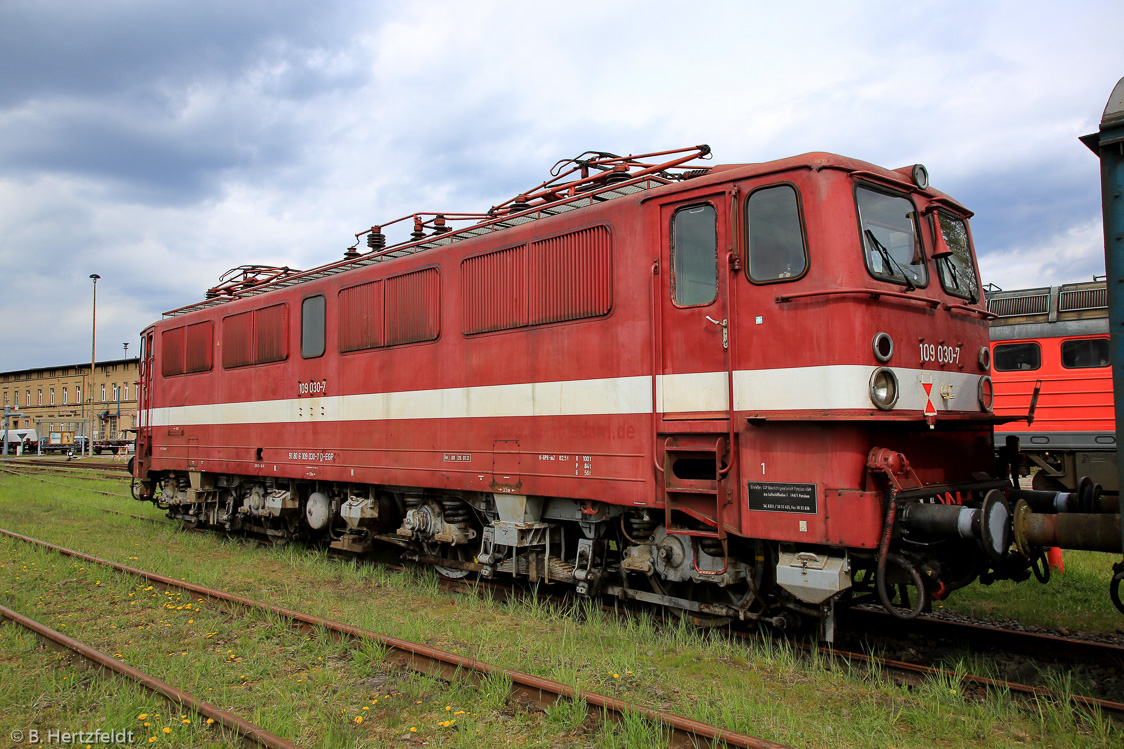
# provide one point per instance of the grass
(313, 688)
(1077, 600)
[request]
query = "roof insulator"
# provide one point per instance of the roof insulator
(376, 240)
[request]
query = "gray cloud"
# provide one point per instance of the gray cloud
(159, 144)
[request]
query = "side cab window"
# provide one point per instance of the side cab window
(775, 243)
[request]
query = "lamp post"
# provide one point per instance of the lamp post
(119, 391)
(93, 360)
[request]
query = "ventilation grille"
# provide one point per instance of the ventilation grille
(1078, 300)
(1036, 302)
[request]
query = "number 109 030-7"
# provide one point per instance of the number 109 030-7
(940, 354)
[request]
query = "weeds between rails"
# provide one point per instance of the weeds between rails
(762, 690)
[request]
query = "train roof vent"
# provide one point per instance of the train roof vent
(1032, 302)
(1078, 300)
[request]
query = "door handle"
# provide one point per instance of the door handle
(725, 325)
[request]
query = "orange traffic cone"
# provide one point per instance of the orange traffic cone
(1054, 557)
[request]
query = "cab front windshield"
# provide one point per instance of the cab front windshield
(957, 272)
(890, 237)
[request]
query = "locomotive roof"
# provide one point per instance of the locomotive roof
(549, 200)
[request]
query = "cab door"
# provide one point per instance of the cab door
(694, 340)
(693, 376)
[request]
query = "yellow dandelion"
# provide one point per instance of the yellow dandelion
(413, 730)
(210, 721)
(167, 730)
(358, 718)
(186, 721)
(142, 716)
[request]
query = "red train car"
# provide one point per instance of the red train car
(745, 391)
(1055, 340)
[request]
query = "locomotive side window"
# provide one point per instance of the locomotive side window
(890, 238)
(1017, 357)
(1084, 354)
(957, 272)
(312, 326)
(694, 255)
(774, 235)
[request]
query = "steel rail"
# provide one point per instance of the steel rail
(1037, 644)
(243, 727)
(684, 731)
(1072, 647)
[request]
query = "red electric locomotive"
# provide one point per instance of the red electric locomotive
(746, 391)
(1051, 346)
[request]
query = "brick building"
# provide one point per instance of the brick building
(61, 398)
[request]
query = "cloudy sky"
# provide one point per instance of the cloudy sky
(160, 143)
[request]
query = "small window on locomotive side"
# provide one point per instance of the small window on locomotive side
(237, 340)
(413, 307)
(171, 354)
(313, 313)
(774, 235)
(360, 316)
(200, 343)
(1085, 353)
(1017, 357)
(694, 255)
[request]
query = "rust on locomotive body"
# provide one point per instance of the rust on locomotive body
(747, 391)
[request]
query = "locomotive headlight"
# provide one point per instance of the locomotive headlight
(883, 346)
(985, 358)
(884, 388)
(985, 393)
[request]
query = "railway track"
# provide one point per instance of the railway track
(682, 731)
(1041, 647)
(242, 727)
(1049, 648)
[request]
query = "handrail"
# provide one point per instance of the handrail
(985, 314)
(874, 294)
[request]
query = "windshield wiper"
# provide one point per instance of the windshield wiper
(890, 259)
(952, 276)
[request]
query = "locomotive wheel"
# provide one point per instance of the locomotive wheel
(901, 589)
